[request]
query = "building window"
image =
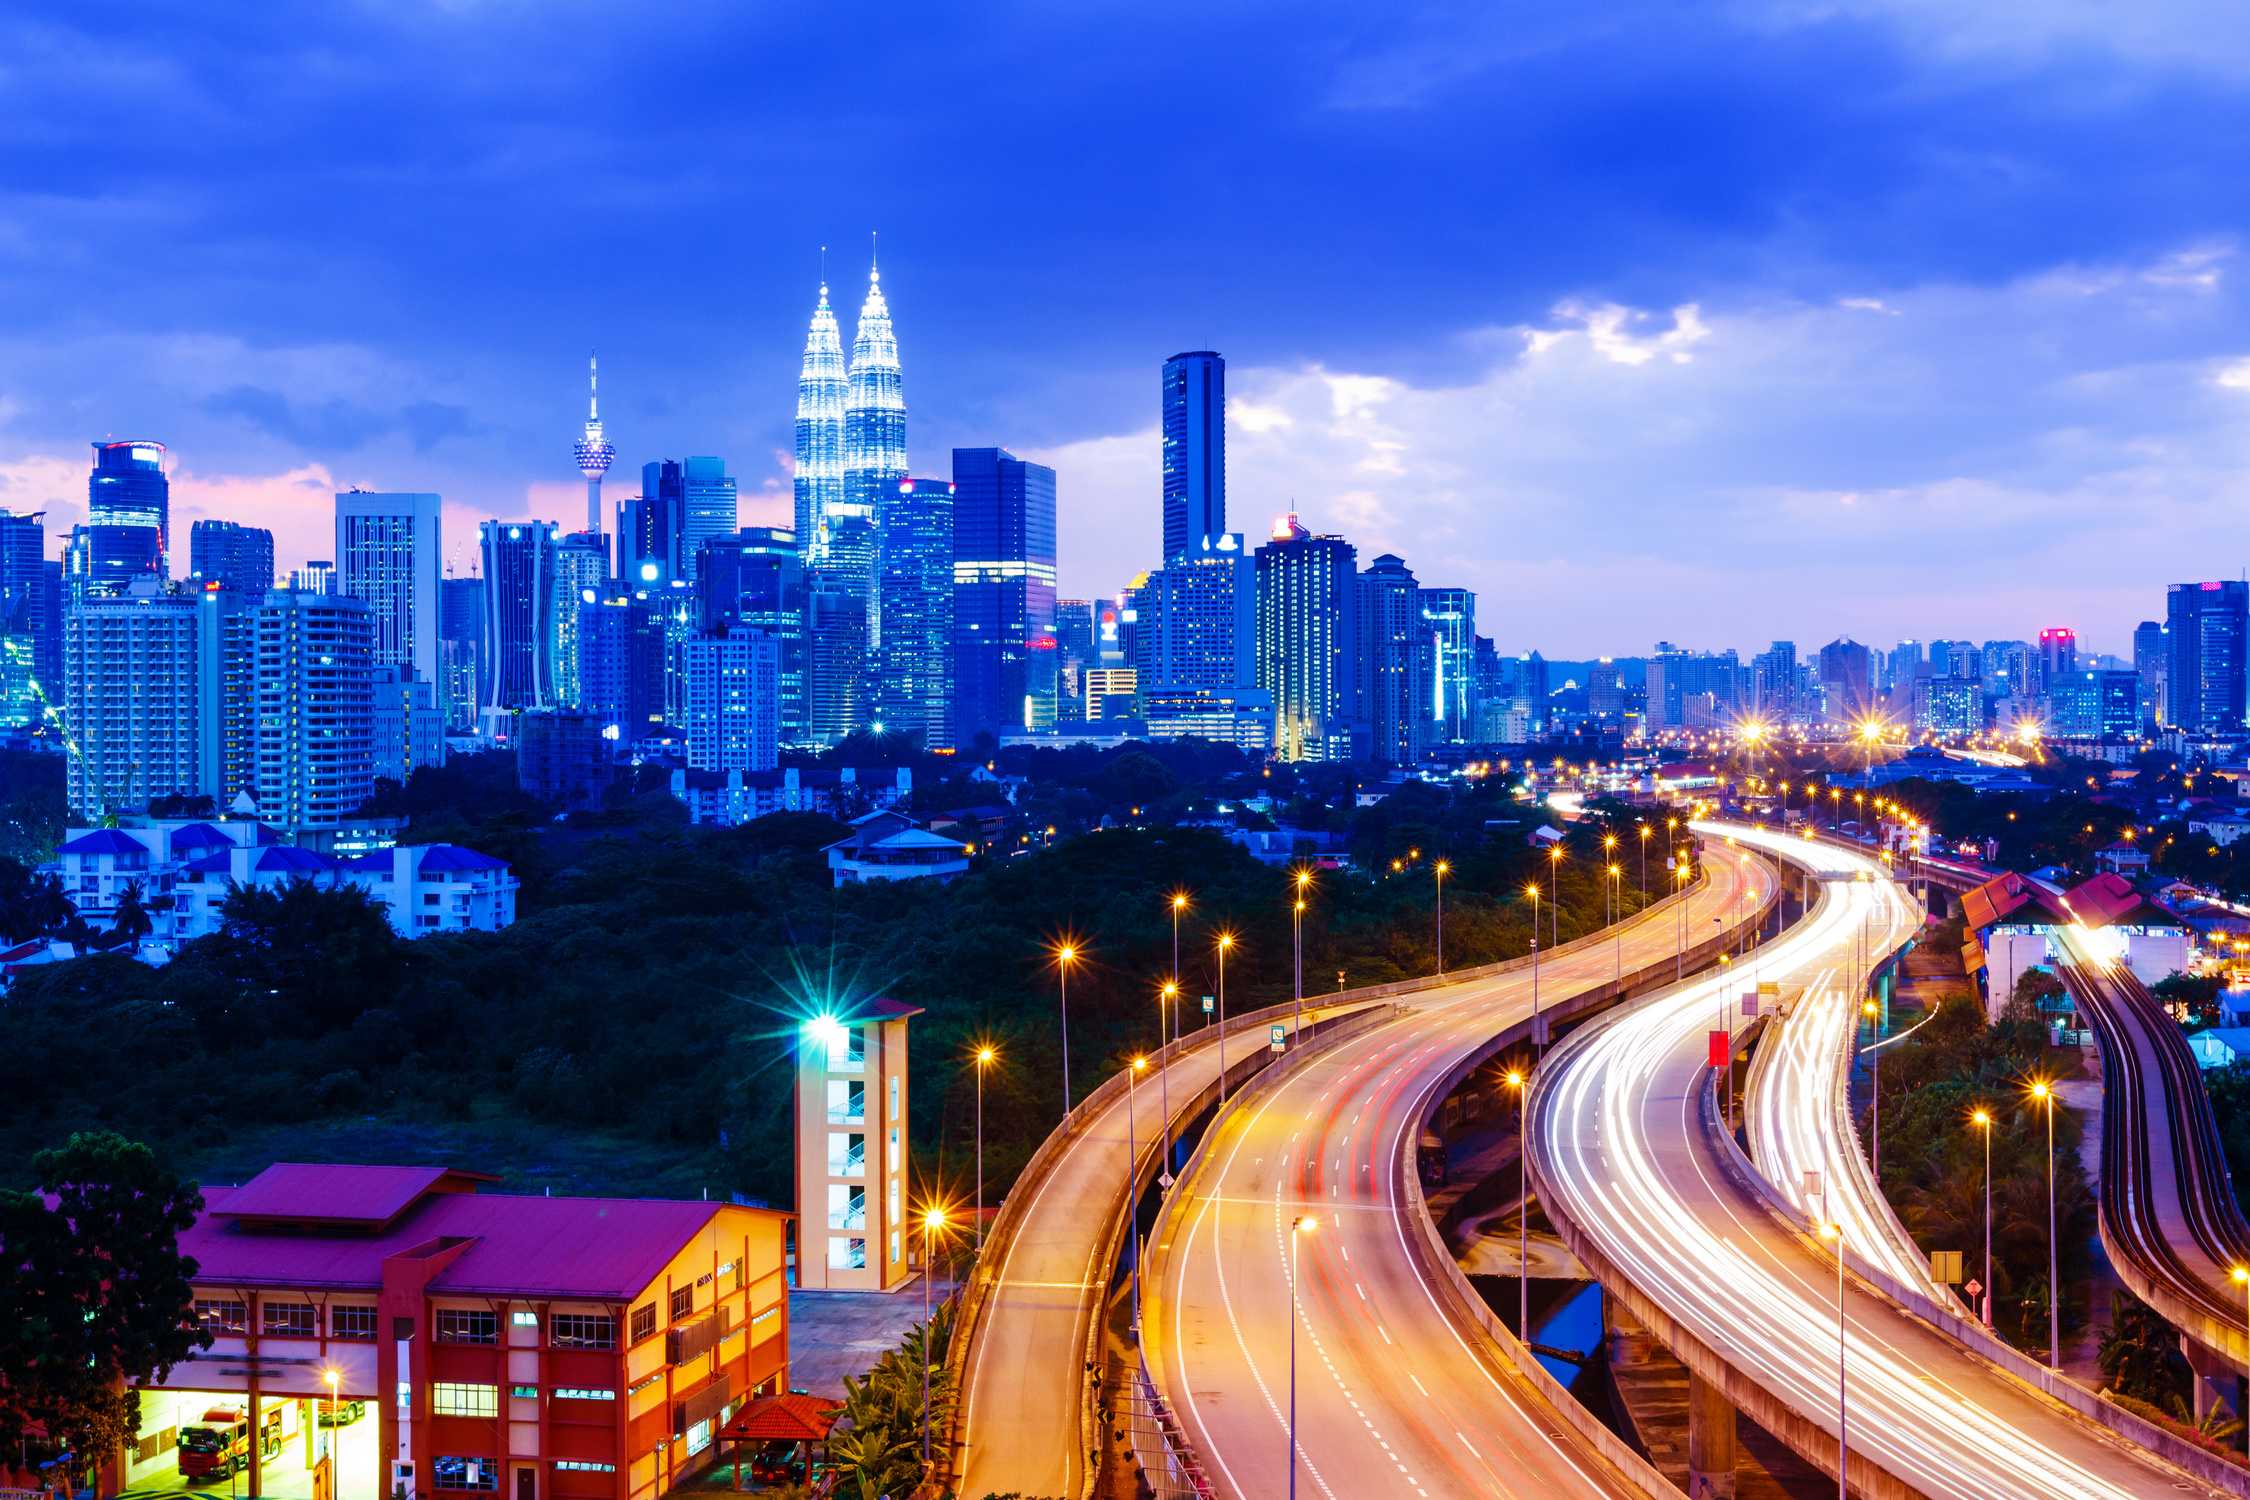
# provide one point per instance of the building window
(524, 1319)
(222, 1316)
(576, 1393)
(894, 1247)
(462, 1325)
(290, 1319)
(683, 1303)
(847, 1155)
(847, 1255)
(450, 1400)
(847, 1050)
(582, 1331)
(847, 1207)
(457, 1473)
(761, 1324)
(581, 1466)
(644, 1322)
(894, 1096)
(847, 1102)
(698, 1438)
(351, 1322)
(524, 1392)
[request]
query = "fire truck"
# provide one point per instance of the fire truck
(219, 1445)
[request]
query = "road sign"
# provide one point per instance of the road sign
(1945, 1268)
(1749, 1002)
(1278, 1036)
(1768, 987)
(1812, 1182)
(1539, 1030)
(1207, 1004)
(1721, 1047)
(1974, 1288)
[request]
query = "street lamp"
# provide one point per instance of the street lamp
(931, 1223)
(984, 1060)
(1523, 1218)
(1297, 944)
(1132, 1168)
(1302, 1224)
(1226, 941)
(1616, 883)
(1165, 1001)
(1875, 1089)
(1985, 1121)
(330, 1377)
(2042, 1092)
(1644, 864)
(1532, 891)
(1179, 904)
(2240, 1275)
(1063, 958)
(1440, 869)
(1554, 906)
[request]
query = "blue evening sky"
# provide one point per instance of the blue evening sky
(1712, 322)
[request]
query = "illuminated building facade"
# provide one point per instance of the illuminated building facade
(820, 432)
(1450, 616)
(1306, 608)
(128, 515)
(1004, 656)
(911, 625)
(1195, 450)
(851, 1117)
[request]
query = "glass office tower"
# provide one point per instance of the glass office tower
(128, 514)
(820, 432)
(1195, 450)
(2205, 624)
(911, 643)
(1003, 594)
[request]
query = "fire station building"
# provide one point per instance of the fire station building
(389, 1327)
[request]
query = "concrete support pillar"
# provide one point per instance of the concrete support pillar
(1710, 1441)
(2215, 1378)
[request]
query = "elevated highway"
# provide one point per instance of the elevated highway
(1397, 1393)
(1634, 1166)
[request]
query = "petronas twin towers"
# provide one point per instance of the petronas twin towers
(851, 435)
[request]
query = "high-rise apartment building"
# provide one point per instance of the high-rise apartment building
(130, 688)
(1450, 616)
(821, 386)
(128, 515)
(1307, 608)
(1394, 661)
(2152, 649)
(2207, 625)
(389, 553)
(1074, 639)
(874, 415)
(1530, 702)
(1199, 618)
(732, 686)
(315, 704)
(1003, 593)
(231, 555)
(1195, 450)
(2094, 705)
(1773, 682)
(32, 662)
(709, 510)
(227, 691)
(581, 579)
(518, 670)
(408, 729)
(1605, 691)
(835, 660)
(911, 625)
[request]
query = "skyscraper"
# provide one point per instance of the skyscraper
(315, 703)
(1306, 596)
(912, 621)
(708, 510)
(239, 557)
(2152, 649)
(1199, 618)
(2206, 624)
(1394, 661)
(755, 580)
(1844, 677)
(128, 515)
(820, 432)
(1003, 594)
(581, 571)
(874, 407)
(2058, 656)
(649, 527)
(389, 552)
(1195, 450)
(621, 663)
(460, 648)
(519, 602)
(732, 688)
(592, 451)
(23, 616)
(1450, 616)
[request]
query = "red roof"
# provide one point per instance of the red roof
(369, 1197)
(2009, 898)
(2108, 899)
(600, 1249)
(791, 1417)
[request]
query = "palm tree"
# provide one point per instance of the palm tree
(132, 918)
(46, 907)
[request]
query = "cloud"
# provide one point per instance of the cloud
(1995, 460)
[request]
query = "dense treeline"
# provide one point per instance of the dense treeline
(650, 989)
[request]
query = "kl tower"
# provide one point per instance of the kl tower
(593, 453)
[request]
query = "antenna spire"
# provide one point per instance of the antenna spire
(593, 395)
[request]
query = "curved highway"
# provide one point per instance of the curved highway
(1623, 1162)
(1393, 1398)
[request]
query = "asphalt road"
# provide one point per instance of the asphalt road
(1617, 1143)
(1393, 1398)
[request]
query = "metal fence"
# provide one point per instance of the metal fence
(1168, 1465)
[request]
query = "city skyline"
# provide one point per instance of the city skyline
(1481, 328)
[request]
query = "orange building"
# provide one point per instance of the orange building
(394, 1327)
(852, 1148)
